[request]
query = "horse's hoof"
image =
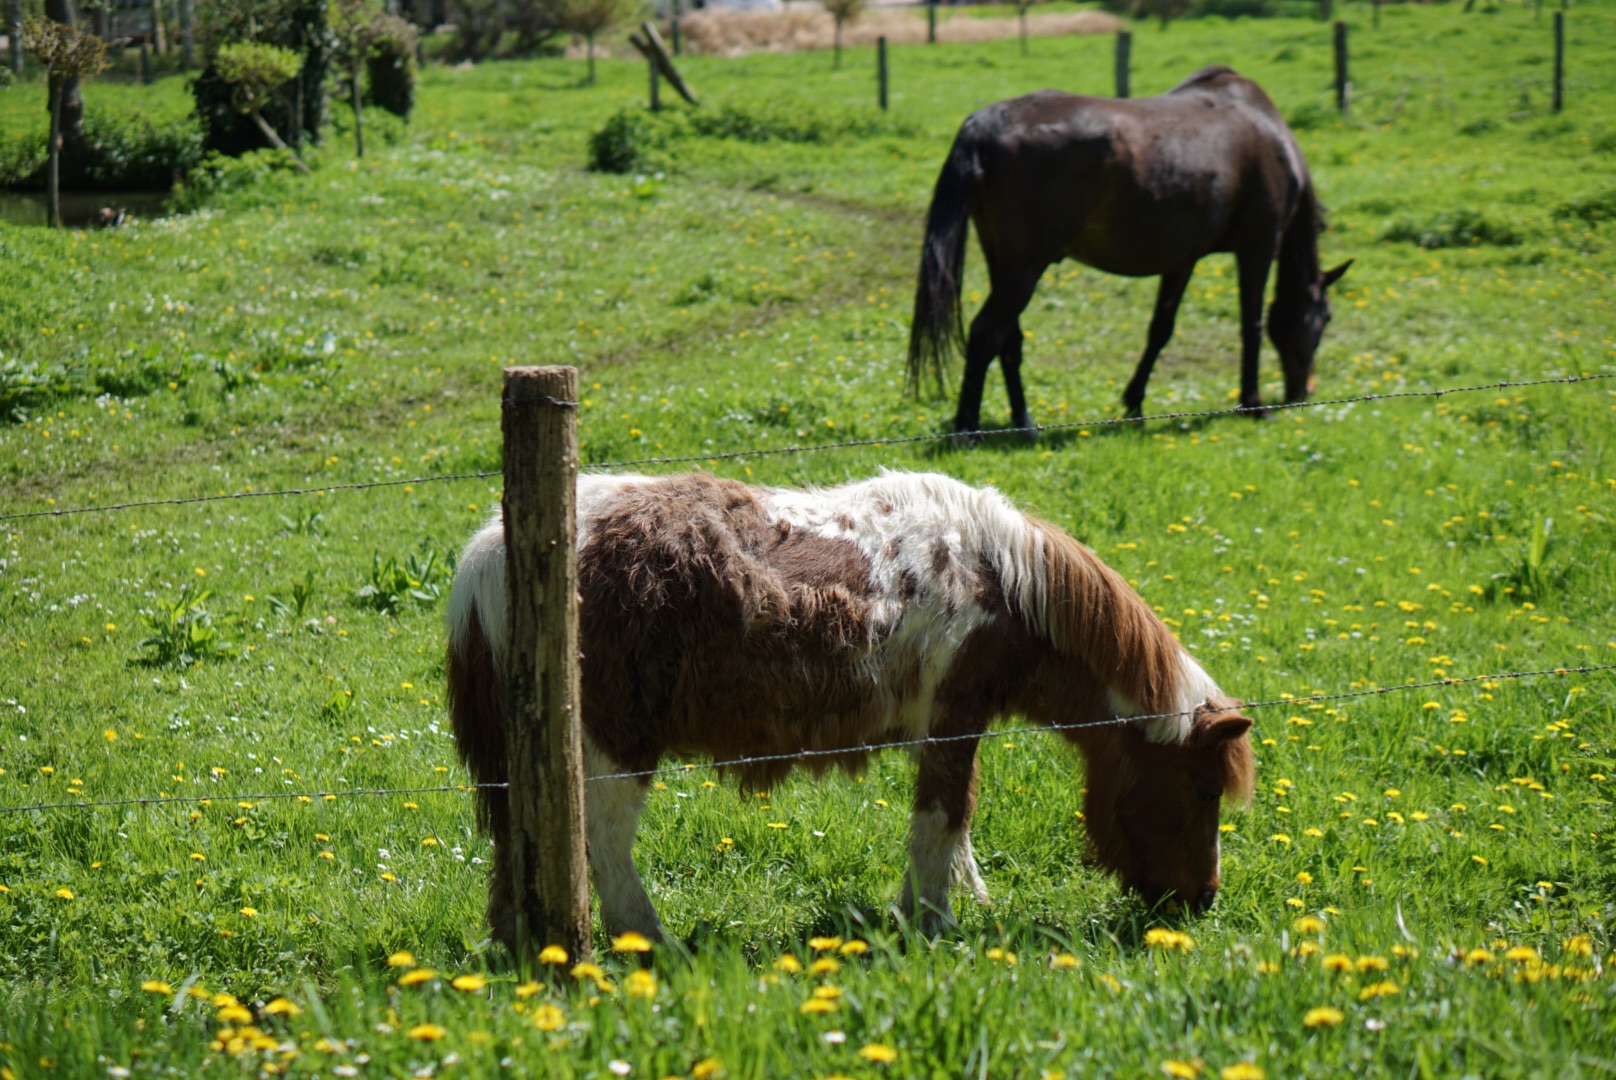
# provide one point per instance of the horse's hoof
(1255, 410)
(1025, 430)
(1133, 412)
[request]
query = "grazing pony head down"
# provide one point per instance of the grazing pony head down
(1301, 307)
(1152, 808)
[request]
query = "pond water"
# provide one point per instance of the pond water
(80, 209)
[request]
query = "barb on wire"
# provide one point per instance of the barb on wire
(732, 455)
(803, 755)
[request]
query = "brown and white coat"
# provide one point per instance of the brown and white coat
(720, 619)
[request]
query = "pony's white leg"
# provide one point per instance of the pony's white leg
(612, 810)
(932, 850)
(967, 875)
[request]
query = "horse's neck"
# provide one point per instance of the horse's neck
(1299, 249)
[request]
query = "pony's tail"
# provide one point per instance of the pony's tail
(476, 620)
(1089, 613)
(938, 328)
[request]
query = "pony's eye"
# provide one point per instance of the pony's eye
(1207, 798)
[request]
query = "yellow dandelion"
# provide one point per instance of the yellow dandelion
(156, 986)
(817, 1005)
(403, 958)
(824, 944)
(283, 1007)
(1241, 1070)
(1338, 962)
(1371, 963)
(1478, 956)
(1308, 924)
(553, 954)
(250, 912)
(706, 1067)
(825, 965)
(528, 989)
(469, 983)
(631, 942)
(788, 964)
(855, 947)
(235, 1014)
(640, 983)
(1169, 940)
(1184, 1070)
(1323, 1016)
(1304, 878)
(548, 1018)
(64, 893)
(1385, 988)
(878, 1052)
(1064, 960)
(1111, 982)
(428, 1032)
(417, 977)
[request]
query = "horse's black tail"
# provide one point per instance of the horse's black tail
(938, 327)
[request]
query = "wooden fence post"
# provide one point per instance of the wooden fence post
(656, 85)
(931, 22)
(1343, 88)
(542, 731)
(881, 70)
(1124, 48)
(1559, 61)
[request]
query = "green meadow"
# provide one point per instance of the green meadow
(1424, 884)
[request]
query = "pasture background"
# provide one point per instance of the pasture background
(352, 327)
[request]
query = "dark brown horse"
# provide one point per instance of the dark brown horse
(1139, 188)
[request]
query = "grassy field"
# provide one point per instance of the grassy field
(1423, 887)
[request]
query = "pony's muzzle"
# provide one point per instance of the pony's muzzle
(1204, 899)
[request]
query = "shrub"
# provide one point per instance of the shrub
(391, 66)
(1592, 209)
(633, 140)
(219, 174)
(1452, 228)
(123, 152)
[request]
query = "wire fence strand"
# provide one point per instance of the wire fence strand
(807, 755)
(811, 448)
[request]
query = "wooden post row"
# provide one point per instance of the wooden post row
(1559, 61)
(542, 724)
(1124, 49)
(881, 71)
(1343, 88)
(931, 22)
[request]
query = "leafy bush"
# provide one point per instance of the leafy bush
(392, 586)
(1452, 228)
(634, 140)
(183, 633)
(391, 66)
(1592, 209)
(124, 152)
(219, 174)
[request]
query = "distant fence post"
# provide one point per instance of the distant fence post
(881, 70)
(673, 30)
(1124, 49)
(1559, 61)
(1326, 10)
(1343, 88)
(1377, 14)
(656, 85)
(931, 22)
(542, 724)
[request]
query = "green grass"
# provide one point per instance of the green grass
(352, 326)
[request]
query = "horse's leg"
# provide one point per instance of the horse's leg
(1010, 361)
(990, 332)
(939, 835)
(1253, 267)
(1168, 297)
(612, 812)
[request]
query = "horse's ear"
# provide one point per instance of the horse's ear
(1333, 276)
(1219, 726)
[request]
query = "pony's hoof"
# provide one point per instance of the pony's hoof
(1255, 410)
(1025, 431)
(1133, 412)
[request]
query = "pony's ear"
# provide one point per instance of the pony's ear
(1224, 728)
(1333, 276)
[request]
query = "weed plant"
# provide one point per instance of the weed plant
(1423, 885)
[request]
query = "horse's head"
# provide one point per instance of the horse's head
(1296, 322)
(1152, 808)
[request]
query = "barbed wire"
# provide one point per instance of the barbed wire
(805, 755)
(733, 455)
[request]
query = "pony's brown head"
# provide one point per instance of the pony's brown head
(1296, 323)
(1152, 808)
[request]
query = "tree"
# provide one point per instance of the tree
(353, 26)
(67, 54)
(1021, 14)
(588, 18)
(14, 34)
(255, 72)
(843, 11)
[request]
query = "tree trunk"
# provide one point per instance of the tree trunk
(589, 44)
(358, 116)
(277, 142)
(188, 32)
(72, 103)
(14, 33)
(53, 179)
(159, 36)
